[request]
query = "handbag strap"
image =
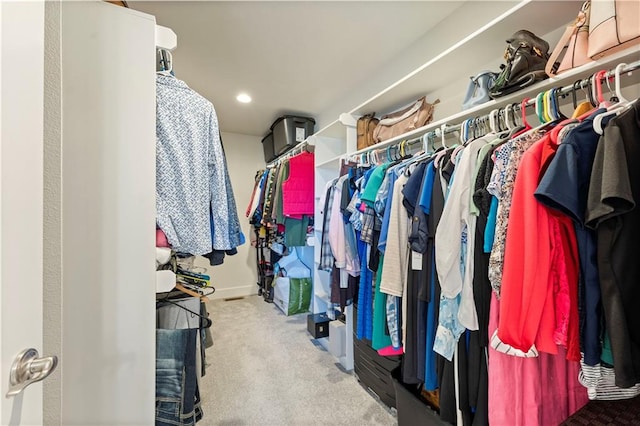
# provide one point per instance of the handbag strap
(570, 31)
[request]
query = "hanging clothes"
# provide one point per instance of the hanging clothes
(612, 209)
(297, 188)
(192, 180)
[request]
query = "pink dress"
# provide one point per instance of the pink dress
(531, 391)
(536, 306)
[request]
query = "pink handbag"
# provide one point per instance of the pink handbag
(614, 25)
(573, 43)
(414, 116)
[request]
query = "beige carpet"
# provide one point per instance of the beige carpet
(264, 369)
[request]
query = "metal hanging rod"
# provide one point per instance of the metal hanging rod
(293, 151)
(452, 128)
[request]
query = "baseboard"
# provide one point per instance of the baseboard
(228, 293)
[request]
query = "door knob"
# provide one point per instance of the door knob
(27, 368)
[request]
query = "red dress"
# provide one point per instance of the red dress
(540, 277)
(538, 304)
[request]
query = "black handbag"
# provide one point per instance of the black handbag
(526, 56)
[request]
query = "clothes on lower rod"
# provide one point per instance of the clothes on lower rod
(180, 361)
(177, 392)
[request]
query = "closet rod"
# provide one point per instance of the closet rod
(452, 128)
(295, 150)
(563, 91)
(584, 82)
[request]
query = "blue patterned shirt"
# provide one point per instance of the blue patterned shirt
(192, 181)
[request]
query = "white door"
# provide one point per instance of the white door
(103, 90)
(21, 201)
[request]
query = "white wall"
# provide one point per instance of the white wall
(108, 214)
(471, 16)
(237, 276)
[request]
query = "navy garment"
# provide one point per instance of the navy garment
(411, 190)
(415, 344)
(565, 187)
(418, 234)
(365, 294)
(435, 363)
(416, 314)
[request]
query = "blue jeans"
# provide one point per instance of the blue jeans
(177, 394)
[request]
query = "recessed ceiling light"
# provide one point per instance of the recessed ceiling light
(244, 98)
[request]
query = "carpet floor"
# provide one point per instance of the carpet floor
(264, 369)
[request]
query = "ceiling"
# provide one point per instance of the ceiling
(291, 57)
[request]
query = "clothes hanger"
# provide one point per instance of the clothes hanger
(555, 102)
(539, 105)
(508, 110)
(462, 134)
(442, 130)
(191, 293)
(512, 118)
(614, 108)
(167, 63)
(574, 97)
(589, 91)
(601, 75)
(548, 108)
(502, 113)
(425, 142)
(493, 125)
(207, 321)
(527, 127)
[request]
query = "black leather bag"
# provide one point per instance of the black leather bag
(526, 56)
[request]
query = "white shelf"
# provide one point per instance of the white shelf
(330, 163)
(458, 60)
(629, 55)
(333, 130)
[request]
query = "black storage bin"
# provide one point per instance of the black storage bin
(372, 370)
(410, 408)
(290, 130)
(318, 325)
(267, 147)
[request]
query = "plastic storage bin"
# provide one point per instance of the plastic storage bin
(290, 130)
(267, 147)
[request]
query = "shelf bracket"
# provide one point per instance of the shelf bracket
(348, 120)
(166, 38)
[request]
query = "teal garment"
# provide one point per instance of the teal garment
(380, 337)
(368, 196)
(490, 227)
(606, 356)
(295, 231)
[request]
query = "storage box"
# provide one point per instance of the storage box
(290, 130)
(318, 325)
(267, 147)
